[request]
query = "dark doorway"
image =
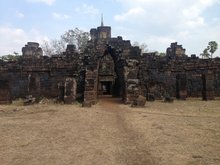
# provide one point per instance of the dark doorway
(61, 93)
(106, 87)
(116, 88)
(181, 86)
(5, 94)
(177, 87)
(204, 96)
(34, 85)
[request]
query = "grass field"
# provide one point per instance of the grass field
(110, 133)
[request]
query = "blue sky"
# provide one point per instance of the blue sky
(157, 23)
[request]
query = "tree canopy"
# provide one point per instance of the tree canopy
(11, 57)
(210, 49)
(73, 36)
(77, 37)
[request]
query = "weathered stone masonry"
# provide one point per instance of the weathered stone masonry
(180, 76)
(108, 66)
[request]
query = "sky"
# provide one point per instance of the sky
(157, 23)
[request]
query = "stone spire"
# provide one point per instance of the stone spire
(102, 24)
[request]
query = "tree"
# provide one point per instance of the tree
(58, 46)
(11, 57)
(47, 48)
(209, 51)
(142, 46)
(53, 47)
(162, 54)
(76, 37)
(205, 53)
(213, 46)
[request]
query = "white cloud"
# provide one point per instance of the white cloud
(132, 13)
(198, 22)
(215, 20)
(160, 22)
(162, 42)
(13, 39)
(87, 10)
(60, 16)
(48, 2)
(184, 35)
(187, 13)
(19, 14)
(192, 15)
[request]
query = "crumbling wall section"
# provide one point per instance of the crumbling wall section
(179, 76)
(43, 76)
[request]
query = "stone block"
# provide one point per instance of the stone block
(140, 101)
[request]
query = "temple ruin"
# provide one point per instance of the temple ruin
(108, 66)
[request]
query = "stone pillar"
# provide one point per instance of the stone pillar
(132, 82)
(90, 93)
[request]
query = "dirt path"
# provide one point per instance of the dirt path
(132, 148)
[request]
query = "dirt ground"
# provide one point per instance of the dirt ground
(110, 133)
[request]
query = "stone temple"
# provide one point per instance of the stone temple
(108, 66)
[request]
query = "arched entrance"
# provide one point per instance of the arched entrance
(105, 75)
(110, 80)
